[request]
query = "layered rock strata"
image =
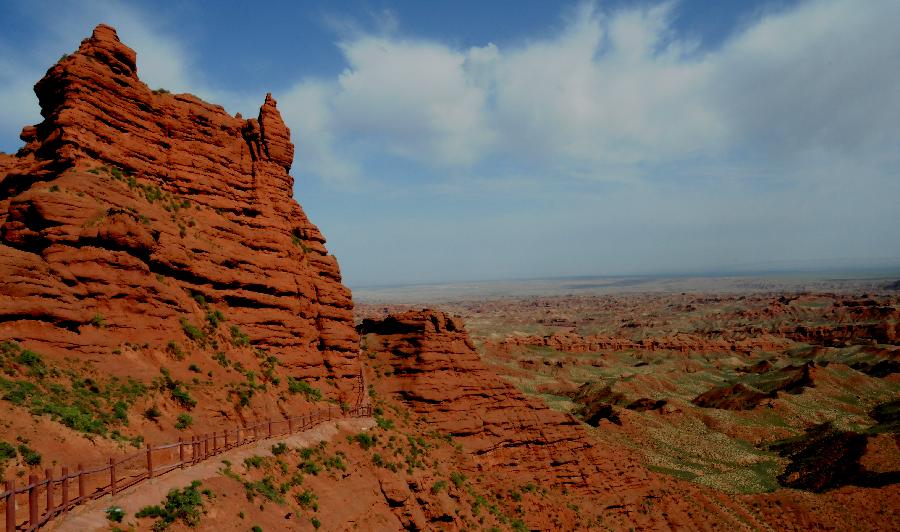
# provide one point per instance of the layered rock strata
(127, 206)
(435, 369)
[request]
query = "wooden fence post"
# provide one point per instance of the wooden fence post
(112, 476)
(226, 439)
(214, 443)
(181, 452)
(206, 446)
(50, 506)
(65, 487)
(270, 427)
(32, 501)
(80, 482)
(10, 506)
(149, 461)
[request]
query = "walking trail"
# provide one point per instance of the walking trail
(92, 515)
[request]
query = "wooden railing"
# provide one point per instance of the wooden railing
(48, 497)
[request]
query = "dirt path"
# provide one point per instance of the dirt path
(92, 516)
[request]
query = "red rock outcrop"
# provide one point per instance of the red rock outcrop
(569, 342)
(126, 203)
(428, 362)
(437, 372)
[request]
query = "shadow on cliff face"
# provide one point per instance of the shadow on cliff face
(826, 458)
(753, 389)
(597, 401)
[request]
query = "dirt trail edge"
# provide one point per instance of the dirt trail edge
(92, 516)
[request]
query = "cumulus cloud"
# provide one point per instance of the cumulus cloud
(416, 97)
(308, 109)
(620, 93)
(822, 77)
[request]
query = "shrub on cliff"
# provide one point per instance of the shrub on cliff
(185, 505)
(192, 332)
(297, 386)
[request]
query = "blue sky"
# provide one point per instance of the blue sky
(446, 141)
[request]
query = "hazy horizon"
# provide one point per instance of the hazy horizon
(457, 141)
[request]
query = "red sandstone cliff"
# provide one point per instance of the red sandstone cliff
(426, 360)
(208, 210)
(142, 231)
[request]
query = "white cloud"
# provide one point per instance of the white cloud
(822, 77)
(415, 97)
(307, 108)
(614, 92)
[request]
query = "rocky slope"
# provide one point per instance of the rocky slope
(142, 230)
(426, 361)
(435, 370)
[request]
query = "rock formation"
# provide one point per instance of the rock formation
(436, 371)
(125, 202)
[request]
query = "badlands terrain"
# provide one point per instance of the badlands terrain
(159, 282)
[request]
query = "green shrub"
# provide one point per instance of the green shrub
(518, 526)
(238, 338)
(182, 397)
(265, 488)
(174, 350)
(215, 317)
(98, 320)
(194, 368)
(7, 452)
(366, 441)
(184, 421)
(384, 423)
(152, 413)
(29, 455)
(34, 363)
(192, 332)
(185, 505)
(152, 193)
(309, 467)
(308, 499)
(120, 411)
(296, 386)
(84, 404)
(115, 514)
(254, 462)
(279, 448)
(438, 486)
(221, 359)
(335, 462)
(116, 173)
(458, 479)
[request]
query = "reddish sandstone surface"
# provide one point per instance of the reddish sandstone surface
(569, 342)
(436, 371)
(130, 215)
(426, 360)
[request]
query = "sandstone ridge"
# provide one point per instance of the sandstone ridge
(125, 202)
